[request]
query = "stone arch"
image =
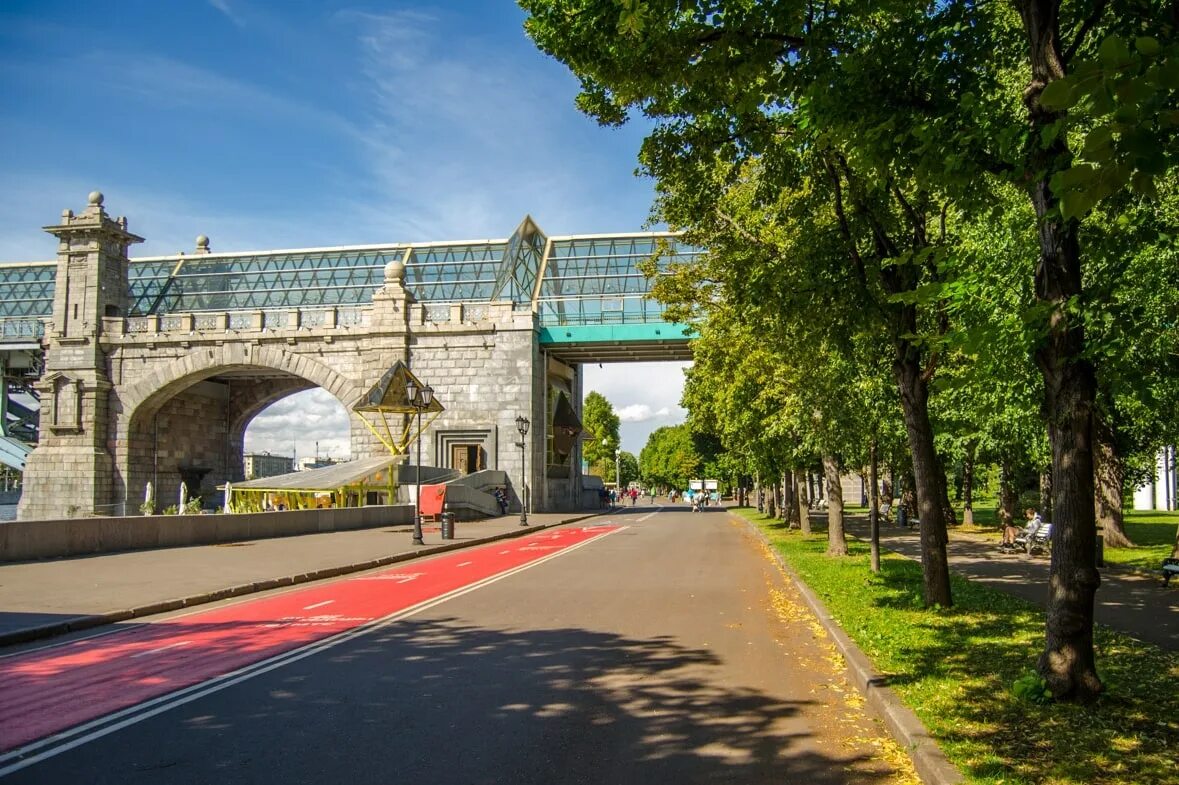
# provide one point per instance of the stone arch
(165, 392)
(250, 403)
(169, 379)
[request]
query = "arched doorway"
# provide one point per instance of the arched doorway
(191, 431)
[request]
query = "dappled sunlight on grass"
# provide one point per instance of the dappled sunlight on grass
(955, 668)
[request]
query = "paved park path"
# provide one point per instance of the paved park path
(1132, 602)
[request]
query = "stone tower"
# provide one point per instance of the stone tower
(73, 460)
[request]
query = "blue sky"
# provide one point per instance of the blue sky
(299, 123)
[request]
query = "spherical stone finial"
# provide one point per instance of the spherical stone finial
(96, 198)
(202, 242)
(395, 271)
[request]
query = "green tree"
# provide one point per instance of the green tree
(911, 108)
(628, 466)
(714, 80)
(669, 458)
(601, 438)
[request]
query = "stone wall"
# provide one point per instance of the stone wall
(156, 396)
(49, 539)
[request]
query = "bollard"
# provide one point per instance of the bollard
(448, 525)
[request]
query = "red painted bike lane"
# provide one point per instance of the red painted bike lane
(47, 691)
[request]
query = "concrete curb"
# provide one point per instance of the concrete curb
(96, 620)
(931, 763)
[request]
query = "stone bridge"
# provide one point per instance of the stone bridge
(152, 369)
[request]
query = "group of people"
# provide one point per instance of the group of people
(614, 497)
(698, 499)
(702, 499)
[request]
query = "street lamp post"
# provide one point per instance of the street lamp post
(618, 471)
(420, 399)
(522, 426)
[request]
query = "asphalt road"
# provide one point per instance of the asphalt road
(669, 651)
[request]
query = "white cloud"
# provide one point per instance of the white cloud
(638, 412)
(224, 7)
(308, 423)
(645, 396)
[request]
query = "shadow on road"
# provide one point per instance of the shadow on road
(445, 702)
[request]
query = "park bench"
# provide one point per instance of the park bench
(1170, 570)
(1035, 537)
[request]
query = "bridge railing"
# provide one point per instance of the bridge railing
(601, 309)
(298, 318)
(238, 321)
(22, 328)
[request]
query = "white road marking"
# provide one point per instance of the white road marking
(465, 563)
(97, 728)
(318, 605)
(162, 648)
(648, 515)
(399, 577)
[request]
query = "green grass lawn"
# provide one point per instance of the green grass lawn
(955, 668)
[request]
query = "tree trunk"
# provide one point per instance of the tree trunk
(789, 506)
(1109, 475)
(948, 515)
(1046, 494)
(1068, 662)
(968, 486)
(771, 504)
(836, 541)
(914, 392)
(1008, 495)
(804, 511)
(874, 505)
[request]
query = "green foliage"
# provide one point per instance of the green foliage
(1032, 687)
(601, 425)
(1120, 103)
(878, 185)
(670, 459)
(628, 466)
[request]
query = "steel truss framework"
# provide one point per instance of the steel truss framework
(573, 280)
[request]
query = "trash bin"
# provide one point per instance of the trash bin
(448, 525)
(902, 516)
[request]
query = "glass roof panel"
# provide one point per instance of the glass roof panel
(586, 278)
(516, 277)
(594, 280)
(26, 290)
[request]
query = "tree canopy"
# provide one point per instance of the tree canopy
(883, 168)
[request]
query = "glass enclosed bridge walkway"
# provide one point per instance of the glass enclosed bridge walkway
(587, 290)
(590, 298)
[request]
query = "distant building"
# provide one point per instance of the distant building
(315, 463)
(1162, 491)
(267, 465)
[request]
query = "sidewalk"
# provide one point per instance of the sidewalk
(1128, 601)
(44, 598)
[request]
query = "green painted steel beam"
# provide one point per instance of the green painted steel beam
(609, 343)
(651, 332)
